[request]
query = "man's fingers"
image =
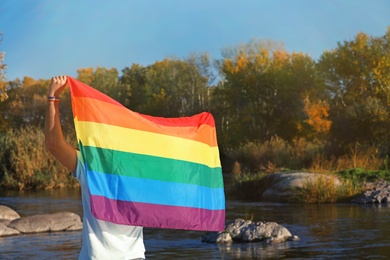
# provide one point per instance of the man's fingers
(57, 84)
(59, 80)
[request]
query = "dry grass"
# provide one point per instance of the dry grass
(278, 155)
(275, 155)
(327, 190)
(357, 157)
(320, 190)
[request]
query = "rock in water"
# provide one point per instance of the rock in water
(6, 231)
(7, 213)
(241, 230)
(379, 194)
(62, 221)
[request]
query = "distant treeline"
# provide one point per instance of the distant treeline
(273, 109)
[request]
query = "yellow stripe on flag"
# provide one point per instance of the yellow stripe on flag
(148, 143)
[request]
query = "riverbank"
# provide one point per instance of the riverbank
(302, 187)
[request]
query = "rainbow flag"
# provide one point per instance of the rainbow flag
(148, 171)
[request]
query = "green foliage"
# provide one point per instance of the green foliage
(103, 79)
(247, 184)
(169, 88)
(243, 177)
(357, 77)
(26, 164)
(132, 90)
(263, 94)
(362, 175)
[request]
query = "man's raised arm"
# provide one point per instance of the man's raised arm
(54, 138)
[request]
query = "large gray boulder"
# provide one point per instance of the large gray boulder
(241, 230)
(62, 221)
(279, 187)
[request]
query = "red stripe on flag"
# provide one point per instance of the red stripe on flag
(79, 89)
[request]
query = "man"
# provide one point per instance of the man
(100, 239)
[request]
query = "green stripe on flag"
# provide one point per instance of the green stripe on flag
(151, 167)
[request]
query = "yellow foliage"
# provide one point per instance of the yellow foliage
(27, 81)
(163, 65)
(317, 113)
(3, 94)
(85, 75)
(281, 57)
(241, 62)
(228, 66)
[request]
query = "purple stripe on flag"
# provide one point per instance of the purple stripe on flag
(127, 213)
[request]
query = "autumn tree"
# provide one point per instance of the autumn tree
(357, 75)
(3, 94)
(27, 102)
(26, 105)
(101, 78)
(317, 125)
(263, 93)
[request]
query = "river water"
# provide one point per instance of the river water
(329, 231)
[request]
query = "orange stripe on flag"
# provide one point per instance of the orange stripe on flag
(82, 105)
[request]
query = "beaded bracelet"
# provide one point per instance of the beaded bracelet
(52, 99)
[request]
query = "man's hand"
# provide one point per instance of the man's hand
(57, 85)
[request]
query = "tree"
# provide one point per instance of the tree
(174, 88)
(27, 103)
(264, 93)
(317, 124)
(3, 94)
(357, 75)
(103, 79)
(132, 87)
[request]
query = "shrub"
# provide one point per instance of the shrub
(26, 164)
(275, 155)
(326, 190)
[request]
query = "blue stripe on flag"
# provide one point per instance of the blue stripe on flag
(125, 188)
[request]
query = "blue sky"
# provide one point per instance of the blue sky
(42, 38)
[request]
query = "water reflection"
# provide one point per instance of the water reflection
(58, 245)
(29, 202)
(253, 251)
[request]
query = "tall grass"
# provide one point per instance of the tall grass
(26, 164)
(327, 190)
(300, 154)
(275, 155)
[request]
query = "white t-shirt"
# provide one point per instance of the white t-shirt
(102, 239)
